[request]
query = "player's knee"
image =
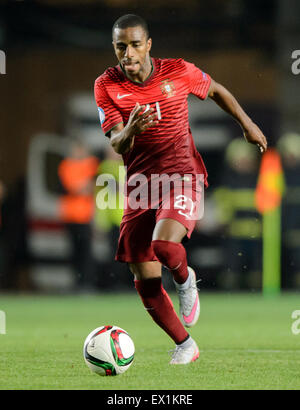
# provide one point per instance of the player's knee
(145, 270)
(167, 252)
(161, 249)
(169, 230)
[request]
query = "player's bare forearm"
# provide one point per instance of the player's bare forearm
(228, 103)
(121, 139)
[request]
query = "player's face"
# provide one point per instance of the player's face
(132, 50)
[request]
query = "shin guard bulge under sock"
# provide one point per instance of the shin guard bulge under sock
(173, 256)
(159, 305)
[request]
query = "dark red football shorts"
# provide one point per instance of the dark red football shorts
(181, 203)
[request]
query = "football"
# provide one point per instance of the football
(108, 350)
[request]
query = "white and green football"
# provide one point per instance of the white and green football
(108, 350)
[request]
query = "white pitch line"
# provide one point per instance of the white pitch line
(248, 351)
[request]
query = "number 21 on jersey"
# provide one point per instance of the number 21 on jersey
(157, 110)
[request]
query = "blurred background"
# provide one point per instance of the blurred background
(52, 236)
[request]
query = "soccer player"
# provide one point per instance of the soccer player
(143, 109)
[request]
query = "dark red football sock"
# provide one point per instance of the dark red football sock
(173, 256)
(159, 305)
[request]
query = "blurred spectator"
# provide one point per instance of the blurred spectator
(77, 175)
(289, 147)
(236, 212)
(108, 218)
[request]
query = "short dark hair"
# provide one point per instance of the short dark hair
(131, 20)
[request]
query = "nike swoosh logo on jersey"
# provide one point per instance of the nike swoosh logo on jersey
(122, 96)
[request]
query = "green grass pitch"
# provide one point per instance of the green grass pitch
(245, 340)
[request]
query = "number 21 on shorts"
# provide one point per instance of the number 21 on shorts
(184, 204)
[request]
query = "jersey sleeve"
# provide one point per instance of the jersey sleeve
(109, 115)
(199, 81)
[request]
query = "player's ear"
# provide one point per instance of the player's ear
(149, 44)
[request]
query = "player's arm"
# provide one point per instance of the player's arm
(122, 137)
(228, 103)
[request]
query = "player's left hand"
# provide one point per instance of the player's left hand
(254, 135)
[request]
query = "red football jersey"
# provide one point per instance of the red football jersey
(168, 147)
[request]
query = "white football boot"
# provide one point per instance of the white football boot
(189, 302)
(186, 353)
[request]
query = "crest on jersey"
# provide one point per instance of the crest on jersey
(168, 88)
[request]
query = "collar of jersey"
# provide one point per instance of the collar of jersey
(144, 83)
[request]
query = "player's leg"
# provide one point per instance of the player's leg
(158, 304)
(160, 307)
(167, 246)
(166, 243)
(135, 248)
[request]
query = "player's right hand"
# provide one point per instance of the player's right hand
(254, 135)
(140, 120)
